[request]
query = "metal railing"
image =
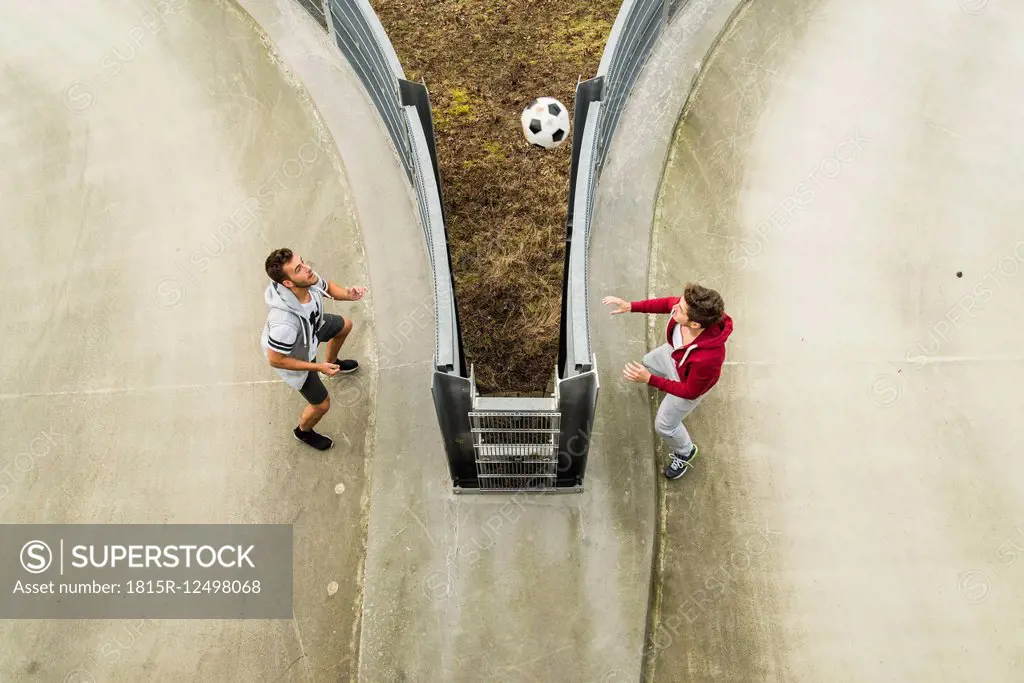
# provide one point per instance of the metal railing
(507, 443)
(599, 105)
(361, 37)
(633, 36)
(515, 444)
(315, 8)
(404, 107)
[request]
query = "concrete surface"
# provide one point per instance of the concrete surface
(155, 153)
(620, 249)
(522, 587)
(856, 514)
(525, 587)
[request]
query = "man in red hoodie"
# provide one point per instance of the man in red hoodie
(686, 367)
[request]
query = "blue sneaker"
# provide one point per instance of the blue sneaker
(680, 464)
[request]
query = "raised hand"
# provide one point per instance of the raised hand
(636, 372)
(621, 306)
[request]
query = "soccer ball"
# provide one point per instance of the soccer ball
(545, 123)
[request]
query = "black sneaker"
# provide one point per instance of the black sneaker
(680, 464)
(347, 366)
(311, 438)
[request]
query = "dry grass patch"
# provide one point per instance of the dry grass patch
(483, 62)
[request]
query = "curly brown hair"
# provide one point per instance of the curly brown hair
(276, 262)
(704, 306)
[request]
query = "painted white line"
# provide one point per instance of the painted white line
(131, 390)
(924, 360)
(965, 359)
(410, 364)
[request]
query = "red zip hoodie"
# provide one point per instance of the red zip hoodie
(699, 362)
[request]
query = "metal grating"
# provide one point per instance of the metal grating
(362, 39)
(578, 351)
(315, 8)
(446, 337)
(515, 450)
(636, 29)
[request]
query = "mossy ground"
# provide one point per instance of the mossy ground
(483, 62)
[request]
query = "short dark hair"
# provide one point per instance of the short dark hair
(275, 264)
(703, 305)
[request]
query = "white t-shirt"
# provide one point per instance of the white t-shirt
(677, 336)
(282, 336)
(313, 313)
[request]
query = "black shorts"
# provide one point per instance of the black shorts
(313, 390)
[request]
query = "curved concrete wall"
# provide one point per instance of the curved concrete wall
(624, 212)
(158, 152)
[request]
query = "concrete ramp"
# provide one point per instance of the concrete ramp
(846, 175)
(154, 154)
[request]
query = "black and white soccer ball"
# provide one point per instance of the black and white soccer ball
(546, 123)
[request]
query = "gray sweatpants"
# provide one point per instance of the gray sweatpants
(669, 422)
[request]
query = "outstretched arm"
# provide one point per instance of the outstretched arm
(646, 306)
(336, 291)
(663, 305)
(621, 305)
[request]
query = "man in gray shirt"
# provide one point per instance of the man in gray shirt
(296, 325)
